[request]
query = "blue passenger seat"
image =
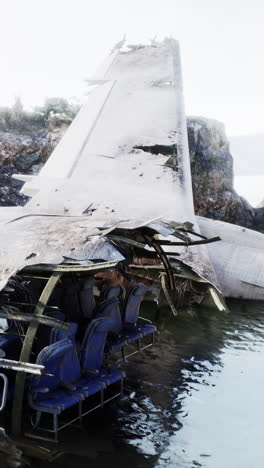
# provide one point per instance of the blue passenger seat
(92, 352)
(47, 393)
(68, 380)
(44, 336)
(11, 343)
(109, 307)
(130, 313)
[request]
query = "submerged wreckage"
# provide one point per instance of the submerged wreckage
(110, 219)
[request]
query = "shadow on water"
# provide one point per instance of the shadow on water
(197, 401)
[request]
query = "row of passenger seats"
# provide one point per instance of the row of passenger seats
(69, 379)
(73, 379)
(73, 368)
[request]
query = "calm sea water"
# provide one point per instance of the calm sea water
(197, 401)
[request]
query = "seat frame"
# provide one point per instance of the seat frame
(56, 427)
(138, 343)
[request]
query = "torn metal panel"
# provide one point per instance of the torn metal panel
(49, 239)
(11, 313)
(80, 267)
(35, 369)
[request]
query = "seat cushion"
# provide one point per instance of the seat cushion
(116, 342)
(57, 401)
(147, 329)
(87, 387)
(132, 335)
(110, 376)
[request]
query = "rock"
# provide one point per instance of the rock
(212, 174)
(9, 188)
(22, 153)
(14, 144)
(23, 162)
(259, 219)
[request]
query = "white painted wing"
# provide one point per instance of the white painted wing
(117, 160)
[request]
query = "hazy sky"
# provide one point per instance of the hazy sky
(49, 46)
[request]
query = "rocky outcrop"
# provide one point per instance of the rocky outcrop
(10, 188)
(211, 165)
(212, 174)
(26, 150)
(22, 153)
(259, 219)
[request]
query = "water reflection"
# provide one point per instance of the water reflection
(197, 401)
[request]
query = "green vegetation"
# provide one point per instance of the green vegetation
(55, 112)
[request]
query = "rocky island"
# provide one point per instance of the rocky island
(28, 139)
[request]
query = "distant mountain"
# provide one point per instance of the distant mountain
(248, 154)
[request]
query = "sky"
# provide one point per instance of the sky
(48, 48)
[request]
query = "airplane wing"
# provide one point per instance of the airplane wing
(124, 159)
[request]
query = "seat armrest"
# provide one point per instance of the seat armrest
(144, 319)
(87, 372)
(41, 390)
(68, 386)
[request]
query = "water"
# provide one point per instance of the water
(197, 401)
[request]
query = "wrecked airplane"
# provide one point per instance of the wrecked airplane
(110, 220)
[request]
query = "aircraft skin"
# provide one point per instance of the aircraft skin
(114, 158)
(238, 258)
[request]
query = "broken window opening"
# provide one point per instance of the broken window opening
(165, 150)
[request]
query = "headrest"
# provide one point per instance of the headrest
(54, 351)
(61, 334)
(99, 325)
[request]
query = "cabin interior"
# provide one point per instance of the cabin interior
(66, 331)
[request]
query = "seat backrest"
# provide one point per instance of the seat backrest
(110, 293)
(133, 299)
(87, 300)
(111, 309)
(52, 357)
(71, 306)
(70, 370)
(44, 333)
(92, 348)
(56, 334)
